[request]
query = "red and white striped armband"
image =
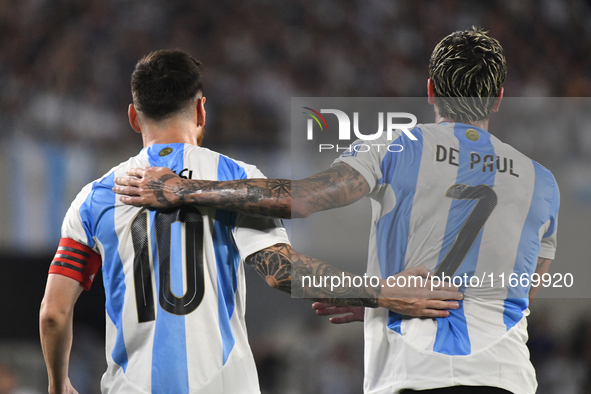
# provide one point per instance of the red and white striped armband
(76, 261)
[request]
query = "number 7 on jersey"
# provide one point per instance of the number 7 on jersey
(487, 201)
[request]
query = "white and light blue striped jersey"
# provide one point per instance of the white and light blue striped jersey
(174, 279)
(464, 204)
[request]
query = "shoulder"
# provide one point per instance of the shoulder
(108, 179)
(544, 182)
(543, 170)
(250, 170)
(433, 132)
(228, 168)
(421, 136)
(105, 183)
(545, 175)
(509, 150)
(238, 169)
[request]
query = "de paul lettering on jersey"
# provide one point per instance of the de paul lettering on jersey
(486, 163)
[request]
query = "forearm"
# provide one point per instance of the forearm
(337, 186)
(285, 270)
(56, 342)
(307, 271)
(158, 187)
(263, 197)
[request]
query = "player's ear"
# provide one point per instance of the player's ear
(495, 107)
(133, 119)
(201, 114)
(430, 91)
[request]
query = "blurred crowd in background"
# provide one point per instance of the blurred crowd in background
(65, 67)
(65, 64)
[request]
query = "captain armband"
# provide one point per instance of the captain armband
(76, 261)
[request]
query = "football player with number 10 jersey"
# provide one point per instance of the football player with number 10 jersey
(173, 277)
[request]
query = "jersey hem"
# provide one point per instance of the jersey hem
(435, 384)
(547, 253)
(483, 349)
(256, 247)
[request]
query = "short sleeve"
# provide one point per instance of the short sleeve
(78, 222)
(252, 234)
(366, 157)
(548, 242)
(75, 257)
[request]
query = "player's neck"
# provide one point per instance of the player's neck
(170, 133)
(482, 124)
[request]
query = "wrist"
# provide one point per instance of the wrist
(58, 387)
(380, 303)
(178, 195)
(378, 300)
(182, 192)
(193, 191)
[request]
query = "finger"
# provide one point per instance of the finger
(416, 271)
(422, 271)
(433, 313)
(137, 172)
(343, 319)
(441, 285)
(126, 190)
(438, 304)
(127, 181)
(122, 180)
(339, 310)
(441, 295)
(135, 201)
(322, 305)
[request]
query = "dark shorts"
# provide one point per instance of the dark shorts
(460, 390)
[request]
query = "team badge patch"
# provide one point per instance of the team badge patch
(165, 151)
(472, 135)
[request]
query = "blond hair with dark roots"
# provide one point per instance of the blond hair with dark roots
(468, 69)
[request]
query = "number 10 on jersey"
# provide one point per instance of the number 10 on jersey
(142, 271)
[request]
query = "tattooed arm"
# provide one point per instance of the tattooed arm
(283, 268)
(157, 187)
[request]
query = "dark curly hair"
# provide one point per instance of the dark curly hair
(468, 69)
